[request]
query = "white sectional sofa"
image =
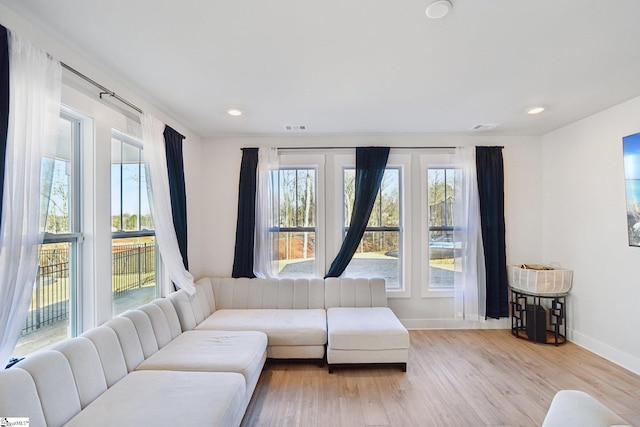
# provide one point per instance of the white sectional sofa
(301, 317)
(291, 312)
(138, 369)
(196, 360)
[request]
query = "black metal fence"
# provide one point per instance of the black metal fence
(50, 300)
(133, 266)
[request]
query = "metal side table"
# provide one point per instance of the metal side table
(541, 318)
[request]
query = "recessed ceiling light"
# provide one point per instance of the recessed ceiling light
(235, 112)
(535, 110)
(439, 9)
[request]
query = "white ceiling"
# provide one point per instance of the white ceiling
(359, 66)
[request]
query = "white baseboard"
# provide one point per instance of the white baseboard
(612, 354)
(456, 324)
(603, 350)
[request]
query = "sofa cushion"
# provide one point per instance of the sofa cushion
(19, 397)
(203, 289)
(171, 314)
(207, 286)
(183, 304)
(129, 341)
(144, 329)
(108, 346)
(86, 367)
(159, 323)
(283, 327)
(245, 293)
(355, 292)
(211, 351)
(365, 328)
(55, 384)
(168, 398)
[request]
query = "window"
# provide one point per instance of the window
(133, 251)
(380, 251)
(296, 222)
(315, 198)
(53, 313)
(441, 187)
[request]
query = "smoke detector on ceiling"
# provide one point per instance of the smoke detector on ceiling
(439, 9)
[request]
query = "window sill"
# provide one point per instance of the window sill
(437, 293)
(398, 293)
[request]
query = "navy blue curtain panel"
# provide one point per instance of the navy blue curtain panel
(245, 227)
(4, 104)
(370, 165)
(175, 168)
(490, 171)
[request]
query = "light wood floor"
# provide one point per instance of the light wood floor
(454, 378)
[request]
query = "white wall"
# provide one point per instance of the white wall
(221, 165)
(585, 228)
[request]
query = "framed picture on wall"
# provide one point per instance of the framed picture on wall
(631, 150)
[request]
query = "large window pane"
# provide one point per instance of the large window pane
(377, 256)
(134, 280)
(441, 187)
(52, 313)
(133, 272)
(48, 319)
(297, 254)
(294, 231)
(379, 252)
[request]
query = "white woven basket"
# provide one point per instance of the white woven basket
(539, 279)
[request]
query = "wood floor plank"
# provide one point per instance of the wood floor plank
(454, 378)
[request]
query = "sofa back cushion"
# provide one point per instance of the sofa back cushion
(144, 329)
(359, 292)
(55, 384)
(245, 293)
(108, 346)
(159, 323)
(200, 304)
(171, 314)
(129, 341)
(86, 367)
(19, 397)
(183, 304)
(207, 288)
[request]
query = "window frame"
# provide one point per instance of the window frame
(277, 228)
(382, 229)
(430, 161)
(132, 141)
(298, 160)
(403, 163)
(75, 236)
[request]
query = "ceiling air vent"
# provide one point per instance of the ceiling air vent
(486, 126)
(295, 128)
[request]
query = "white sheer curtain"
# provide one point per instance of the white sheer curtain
(34, 114)
(267, 209)
(160, 200)
(470, 276)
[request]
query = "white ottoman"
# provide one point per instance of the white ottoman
(365, 335)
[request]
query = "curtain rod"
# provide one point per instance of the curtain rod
(443, 147)
(351, 148)
(104, 90)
